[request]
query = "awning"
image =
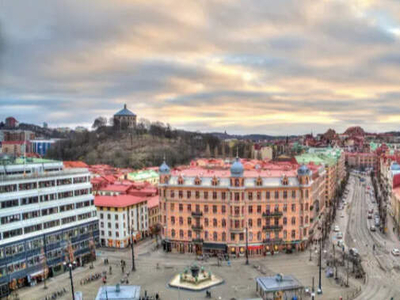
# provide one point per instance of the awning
(39, 273)
(214, 246)
(260, 247)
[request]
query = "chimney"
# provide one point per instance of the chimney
(124, 106)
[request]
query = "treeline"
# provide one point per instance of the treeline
(141, 147)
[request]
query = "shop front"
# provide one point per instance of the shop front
(214, 249)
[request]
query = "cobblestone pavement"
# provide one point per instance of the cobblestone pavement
(239, 278)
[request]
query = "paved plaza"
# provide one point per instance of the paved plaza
(239, 278)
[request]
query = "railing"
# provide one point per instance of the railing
(197, 214)
(272, 241)
(272, 214)
(197, 227)
(272, 228)
(197, 241)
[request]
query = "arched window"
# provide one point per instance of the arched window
(206, 235)
(197, 181)
(173, 232)
(293, 234)
(205, 221)
(285, 234)
(215, 236)
(284, 220)
(259, 236)
(237, 182)
(181, 234)
(180, 180)
(215, 222)
(306, 220)
(223, 223)
(259, 181)
(214, 181)
(293, 220)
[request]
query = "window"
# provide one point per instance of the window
(306, 220)
(224, 236)
(250, 209)
(285, 207)
(237, 196)
(293, 234)
(206, 208)
(307, 194)
(181, 235)
(173, 220)
(215, 209)
(268, 195)
(205, 195)
(214, 195)
(284, 220)
(233, 237)
(197, 194)
(250, 222)
(250, 196)
(259, 222)
(188, 194)
(172, 206)
(180, 207)
(180, 220)
(117, 234)
(285, 234)
(223, 209)
(276, 194)
(189, 234)
(173, 232)
(116, 217)
(259, 181)
(293, 220)
(206, 235)
(259, 236)
(241, 236)
(293, 194)
(215, 236)
(206, 222)
(293, 207)
(306, 207)
(223, 195)
(215, 222)
(223, 223)
(259, 209)
(180, 194)
(189, 221)
(284, 194)
(172, 193)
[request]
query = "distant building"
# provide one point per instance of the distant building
(45, 125)
(80, 129)
(16, 148)
(149, 176)
(125, 119)
(41, 146)
(11, 122)
(63, 129)
(18, 135)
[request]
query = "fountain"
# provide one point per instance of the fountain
(195, 278)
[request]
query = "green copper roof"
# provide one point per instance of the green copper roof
(317, 159)
(27, 160)
(143, 175)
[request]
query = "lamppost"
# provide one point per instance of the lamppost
(320, 263)
(70, 265)
(247, 244)
(133, 253)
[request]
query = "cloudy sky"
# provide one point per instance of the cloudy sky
(272, 67)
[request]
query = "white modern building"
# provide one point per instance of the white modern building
(47, 216)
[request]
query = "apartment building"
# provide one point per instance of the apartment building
(47, 214)
(216, 211)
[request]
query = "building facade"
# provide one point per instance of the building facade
(47, 215)
(204, 211)
(41, 146)
(123, 219)
(360, 160)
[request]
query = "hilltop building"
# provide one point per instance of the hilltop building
(125, 119)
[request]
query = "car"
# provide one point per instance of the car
(353, 251)
(371, 210)
(396, 252)
(337, 229)
(369, 216)
(377, 222)
(339, 235)
(342, 215)
(372, 228)
(372, 200)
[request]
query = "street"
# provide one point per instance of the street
(381, 267)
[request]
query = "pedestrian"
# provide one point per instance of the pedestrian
(104, 280)
(110, 270)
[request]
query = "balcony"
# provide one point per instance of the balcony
(197, 214)
(197, 227)
(236, 217)
(197, 241)
(272, 228)
(272, 241)
(237, 229)
(272, 214)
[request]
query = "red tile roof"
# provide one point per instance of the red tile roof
(75, 164)
(118, 201)
(153, 201)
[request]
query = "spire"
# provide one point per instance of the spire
(237, 152)
(125, 106)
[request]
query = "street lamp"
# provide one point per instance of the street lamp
(70, 265)
(133, 253)
(320, 263)
(247, 244)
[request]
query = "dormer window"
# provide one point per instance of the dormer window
(259, 181)
(180, 180)
(214, 181)
(237, 182)
(197, 181)
(285, 180)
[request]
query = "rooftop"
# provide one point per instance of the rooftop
(118, 200)
(272, 284)
(125, 112)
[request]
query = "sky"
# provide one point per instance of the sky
(250, 66)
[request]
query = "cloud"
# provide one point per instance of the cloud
(271, 67)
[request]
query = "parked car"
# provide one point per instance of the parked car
(339, 235)
(342, 215)
(337, 229)
(371, 210)
(372, 228)
(377, 222)
(396, 252)
(369, 216)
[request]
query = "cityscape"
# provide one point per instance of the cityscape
(199, 150)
